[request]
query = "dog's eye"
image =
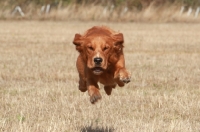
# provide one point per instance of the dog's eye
(90, 47)
(105, 48)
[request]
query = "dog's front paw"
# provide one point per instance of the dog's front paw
(124, 76)
(94, 94)
(95, 97)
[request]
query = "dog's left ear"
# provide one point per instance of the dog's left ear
(118, 41)
(78, 42)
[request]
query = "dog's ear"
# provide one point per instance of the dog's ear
(118, 41)
(78, 42)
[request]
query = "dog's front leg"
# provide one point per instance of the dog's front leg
(80, 64)
(93, 91)
(121, 75)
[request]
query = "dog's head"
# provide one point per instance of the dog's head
(99, 47)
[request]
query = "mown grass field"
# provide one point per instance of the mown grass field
(39, 82)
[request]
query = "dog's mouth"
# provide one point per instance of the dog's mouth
(97, 70)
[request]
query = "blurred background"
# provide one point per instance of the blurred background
(102, 10)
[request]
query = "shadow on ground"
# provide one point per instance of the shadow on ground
(97, 129)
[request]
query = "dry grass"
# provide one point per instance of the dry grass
(38, 80)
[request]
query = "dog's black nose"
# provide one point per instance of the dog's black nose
(98, 60)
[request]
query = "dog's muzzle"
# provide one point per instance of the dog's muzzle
(97, 70)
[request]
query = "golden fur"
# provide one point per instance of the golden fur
(101, 59)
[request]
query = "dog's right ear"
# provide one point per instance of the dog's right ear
(78, 42)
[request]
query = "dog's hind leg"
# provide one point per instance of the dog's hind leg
(108, 89)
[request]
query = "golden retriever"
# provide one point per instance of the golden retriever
(101, 59)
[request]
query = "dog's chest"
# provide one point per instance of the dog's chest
(107, 79)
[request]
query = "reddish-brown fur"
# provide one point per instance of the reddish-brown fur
(101, 59)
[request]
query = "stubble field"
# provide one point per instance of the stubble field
(39, 82)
